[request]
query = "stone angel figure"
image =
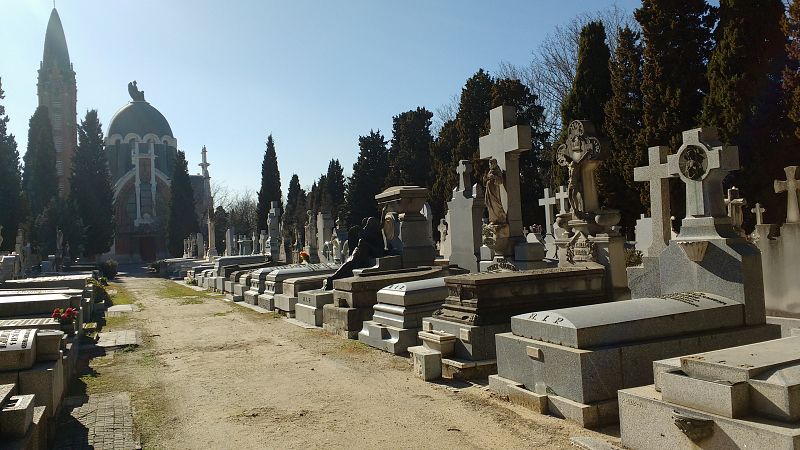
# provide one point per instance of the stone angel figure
(494, 181)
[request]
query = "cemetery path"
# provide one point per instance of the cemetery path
(228, 377)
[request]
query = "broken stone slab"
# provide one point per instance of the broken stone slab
(739, 364)
(630, 321)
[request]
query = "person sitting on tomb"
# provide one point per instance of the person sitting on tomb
(370, 246)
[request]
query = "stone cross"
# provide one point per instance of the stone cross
(759, 212)
(702, 163)
(505, 144)
(464, 170)
(549, 204)
(735, 204)
(562, 196)
(657, 174)
(442, 230)
(790, 186)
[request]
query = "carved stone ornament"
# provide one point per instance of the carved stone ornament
(693, 162)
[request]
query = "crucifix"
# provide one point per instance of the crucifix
(789, 186)
(464, 170)
(549, 203)
(656, 173)
(504, 143)
(562, 195)
(759, 212)
(735, 204)
(702, 163)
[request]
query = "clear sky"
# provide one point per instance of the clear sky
(316, 75)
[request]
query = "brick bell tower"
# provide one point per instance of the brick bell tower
(58, 92)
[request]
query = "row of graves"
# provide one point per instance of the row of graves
(678, 350)
(39, 352)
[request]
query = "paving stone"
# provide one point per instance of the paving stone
(101, 421)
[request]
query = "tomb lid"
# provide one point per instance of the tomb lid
(739, 364)
(288, 272)
(402, 191)
(631, 320)
(787, 375)
(486, 278)
(34, 298)
(17, 349)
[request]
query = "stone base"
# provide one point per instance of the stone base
(345, 322)
(459, 369)
(388, 338)
(250, 297)
(648, 422)
(473, 343)
(266, 301)
(587, 416)
(309, 306)
(593, 376)
(285, 304)
(427, 363)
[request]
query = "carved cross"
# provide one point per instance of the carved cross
(759, 212)
(657, 174)
(504, 144)
(562, 195)
(790, 186)
(549, 203)
(702, 163)
(464, 171)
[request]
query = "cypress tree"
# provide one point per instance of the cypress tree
(91, 190)
(221, 224)
(409, 153)
(369, 174)
(182, 219)
(270, 183)
(677, 44)
(472, 122)
(10, 182)
(744, 100)
(591, 87)
(335, 186)
(791, 73)
(39, 175)
(623, 116)
(295, 214)
(444, 169)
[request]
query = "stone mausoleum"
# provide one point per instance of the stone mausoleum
(141, 151)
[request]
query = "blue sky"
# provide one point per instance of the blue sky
(314, 74)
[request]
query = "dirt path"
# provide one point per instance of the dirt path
(215, 375)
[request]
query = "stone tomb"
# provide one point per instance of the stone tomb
(571, 362)
(480, 305)
(740, 397)
(286, 301)
(309, 306)
(354, 297)
(22, 425)
(397, 316)
(258, 282)
(273, 283)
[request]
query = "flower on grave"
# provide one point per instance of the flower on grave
(65, 315)
(304, 256)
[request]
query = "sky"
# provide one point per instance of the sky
(314, 74)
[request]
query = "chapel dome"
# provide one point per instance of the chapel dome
(141, 118)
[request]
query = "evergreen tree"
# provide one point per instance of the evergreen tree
(270, 183)
(677, 45)
(744, 100)
(39, 175)
(444, 169)
(294, 217)
(409, 153)
(591, 87)
(533, 164)
(221, 224)
(472, 122)
(335, 186)
(59, 214)
(623, 120)
(369, 175)
(10, 183)
(182, 219)
(791, 74)
(91, 190)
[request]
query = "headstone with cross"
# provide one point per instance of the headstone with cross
(504, 143)
(562, 196)
(549, 203)
(702, 162)
(464, 170)
(657, 174)
(790, 186)
(464, 213)
(759, 212)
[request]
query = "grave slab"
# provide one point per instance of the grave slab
(17, 349)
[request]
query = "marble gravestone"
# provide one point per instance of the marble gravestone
(464, 213)
(571, 362)
(324, 236)
(549, 204)
(739, 397)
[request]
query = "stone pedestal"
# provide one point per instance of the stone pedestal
(414, 230)
(309, 306)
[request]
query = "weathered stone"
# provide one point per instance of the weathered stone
(17, 349)
(16, 416)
